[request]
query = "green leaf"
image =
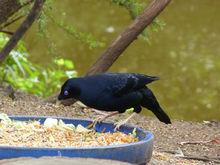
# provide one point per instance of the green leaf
(30, 77)
(71, 73)
(130, 110)
(59, 62)
(68, 64)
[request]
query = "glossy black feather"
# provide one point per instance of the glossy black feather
(150, 102)
(130, 82)
(113, 92)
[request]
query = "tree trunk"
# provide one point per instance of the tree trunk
(7, 9)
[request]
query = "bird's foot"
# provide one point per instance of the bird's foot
(96, 121)
(100, 119)
(119, 124)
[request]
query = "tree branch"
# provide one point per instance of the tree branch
(35, 11)
(110, 55)
(11, 22)
(7, 32)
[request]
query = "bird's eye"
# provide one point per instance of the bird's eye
(66, 93)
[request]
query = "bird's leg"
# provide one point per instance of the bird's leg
(99, 112)
(120, 123)
(102, 118)
(94, 110)
(136, 109)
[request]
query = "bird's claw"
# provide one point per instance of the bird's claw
(96, 121)
(118, 125)
(116, 128)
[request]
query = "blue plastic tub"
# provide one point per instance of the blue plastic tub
(139, 152)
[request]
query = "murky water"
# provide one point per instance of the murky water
(186, 54)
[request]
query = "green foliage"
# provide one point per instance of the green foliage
(46, 14)
(135, 8)
(22, 2)
(25, 7)
(86, 38)
(130, 110)
(42, 24)
(22, 74)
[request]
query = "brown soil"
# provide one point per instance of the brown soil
(205, 136)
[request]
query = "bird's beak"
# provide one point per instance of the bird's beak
(58, 102)
(59, 97)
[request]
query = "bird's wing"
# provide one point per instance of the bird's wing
(126, 83)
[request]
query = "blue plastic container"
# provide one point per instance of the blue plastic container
(139, 152)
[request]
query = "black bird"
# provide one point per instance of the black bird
(114, 92)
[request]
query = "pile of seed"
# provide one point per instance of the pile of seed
(55, 133)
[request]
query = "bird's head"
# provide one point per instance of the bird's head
(70, 89)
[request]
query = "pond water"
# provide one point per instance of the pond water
(185, 54)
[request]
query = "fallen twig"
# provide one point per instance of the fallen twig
(215, 141)
(194, 157)
(202, 158)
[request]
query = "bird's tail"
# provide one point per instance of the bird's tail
(150, 102)
(161, 115)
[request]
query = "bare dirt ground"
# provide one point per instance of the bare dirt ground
(179, 143)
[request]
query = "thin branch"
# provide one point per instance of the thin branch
(35, 11)
(12, 21)
(7, 32)
(111, 54)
